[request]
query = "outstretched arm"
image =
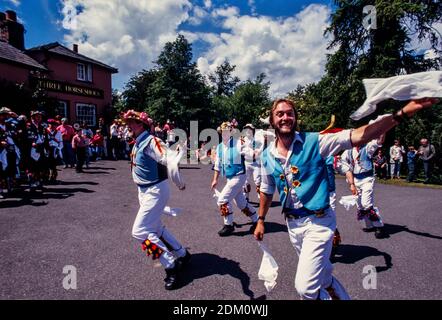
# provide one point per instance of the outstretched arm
(372, 131)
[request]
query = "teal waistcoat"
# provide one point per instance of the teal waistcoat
(232, 162)
(308, 171)
(146, 171)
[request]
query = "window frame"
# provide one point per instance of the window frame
(81, 117)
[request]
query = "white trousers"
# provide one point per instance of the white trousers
(148, 225)
(233, 191)
(253, 173)
(365, 188)
(312, 239)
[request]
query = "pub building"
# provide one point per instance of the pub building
(82, 86)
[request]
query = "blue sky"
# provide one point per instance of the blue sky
(282, 38)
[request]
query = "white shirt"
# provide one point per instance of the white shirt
(352, 161)
(329, 145)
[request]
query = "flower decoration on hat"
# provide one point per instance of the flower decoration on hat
(282, 177)
(138, 116)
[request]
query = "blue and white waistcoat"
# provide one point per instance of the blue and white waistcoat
(146, 172)
(331, 173)
(308, 171)
(232, 162)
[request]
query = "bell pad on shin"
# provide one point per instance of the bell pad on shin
(151, 249)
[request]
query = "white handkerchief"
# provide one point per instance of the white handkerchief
(172, 211)
(348, 201)
(173, 161)
(268, 271)
(404, 87)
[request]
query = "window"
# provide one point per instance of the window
(62, 109)
(86, 113)
(84, 72)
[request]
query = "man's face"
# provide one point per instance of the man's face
(248, 133)
(424, 142)
(3, 117)
(134, 125)
(226, 134)
(37, 118)
(284, 118)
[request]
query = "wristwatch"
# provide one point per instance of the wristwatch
(400, 117)
(261, 218)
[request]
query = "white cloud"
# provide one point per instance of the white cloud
(128, 34)
(207, 4)
(14, 2)
(290, 51)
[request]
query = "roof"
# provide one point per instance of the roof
(59, 49)
(11, 53)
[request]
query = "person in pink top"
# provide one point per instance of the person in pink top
(97, 145)
(79, 144)
(67, 133)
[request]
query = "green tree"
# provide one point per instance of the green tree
(222, 80)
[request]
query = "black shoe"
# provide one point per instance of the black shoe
(171, 278)
(227, 230)
(184, 261)
(380, 233)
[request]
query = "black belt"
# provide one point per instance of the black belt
(303, 212)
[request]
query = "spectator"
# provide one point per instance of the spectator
(54, 148)
(426, 154)
(411, 162)
(79, 144)
(380, 165)
(67, 133)
(114, 140)
(97, 145)
(396, 158)
(88, 134)
(104, 130)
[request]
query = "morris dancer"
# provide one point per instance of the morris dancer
(149, 172)
(358, 165)
(295, 165)
(230, 163)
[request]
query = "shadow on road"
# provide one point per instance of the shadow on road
(350, 254)
(394, 228)
(101, 168)
(68, 183)
(88, 171)
(274, 204)
(204, 265)
(190, 168)
(23, 198)
(270, 227)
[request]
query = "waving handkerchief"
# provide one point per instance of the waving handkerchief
(173, 161)
(348, 201)
(268, 271)
(404, 87)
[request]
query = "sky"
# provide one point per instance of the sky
(282, 38)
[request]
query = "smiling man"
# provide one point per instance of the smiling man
(295, 165)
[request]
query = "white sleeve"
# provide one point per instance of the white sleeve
(332, 143)
(157, 150)
(372, 146)
(217, 165)
(346, 161)
(268, 185)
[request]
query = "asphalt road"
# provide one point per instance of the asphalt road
(86, 222)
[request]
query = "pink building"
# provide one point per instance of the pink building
(81, 85)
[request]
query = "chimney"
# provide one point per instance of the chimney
(11, 15)
(75, 47)
(12, 31)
